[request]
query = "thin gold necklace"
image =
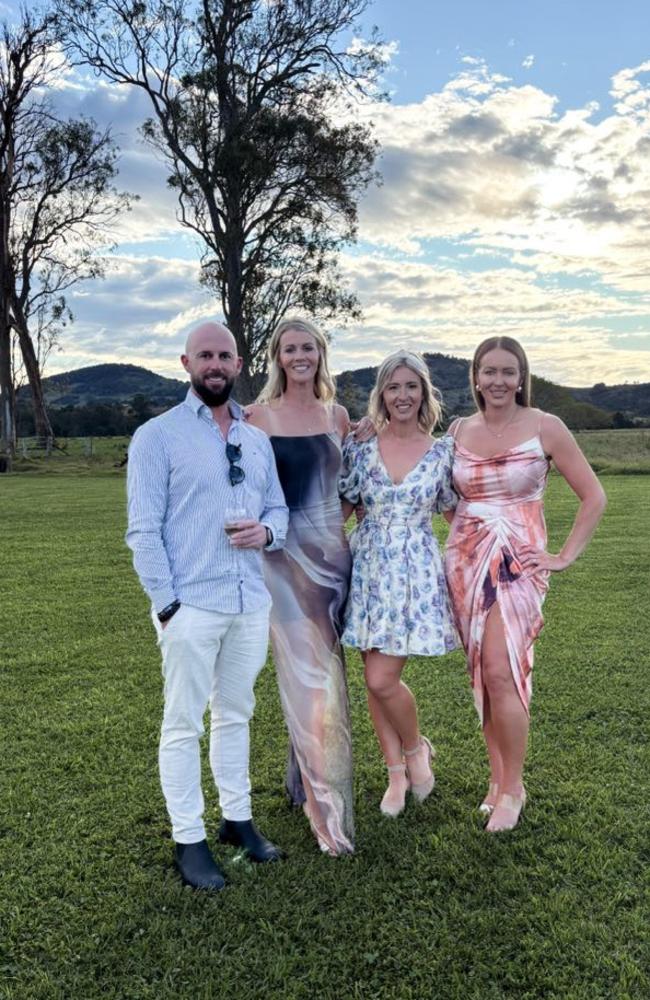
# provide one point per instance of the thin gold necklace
(503, 429)
(310, 413)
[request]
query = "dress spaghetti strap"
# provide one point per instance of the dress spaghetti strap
(540, 423)
(457, 425)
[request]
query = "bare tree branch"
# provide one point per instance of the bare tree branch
(250, 110)
(57, 201)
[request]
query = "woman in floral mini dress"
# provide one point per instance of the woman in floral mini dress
(398, 603)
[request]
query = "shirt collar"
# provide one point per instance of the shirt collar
(197, 405)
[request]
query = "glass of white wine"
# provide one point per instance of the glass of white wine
(232, 518)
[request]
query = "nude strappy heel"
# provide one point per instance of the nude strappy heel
(422, 790)
(514, 806)
(393, 804)
(485, 806)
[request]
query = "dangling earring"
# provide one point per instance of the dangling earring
(477, 387)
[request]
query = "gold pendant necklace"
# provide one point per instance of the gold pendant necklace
(503, 429)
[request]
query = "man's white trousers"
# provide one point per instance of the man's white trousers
(208, 658)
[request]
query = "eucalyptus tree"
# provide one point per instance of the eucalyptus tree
(57, 203)
(253, 110)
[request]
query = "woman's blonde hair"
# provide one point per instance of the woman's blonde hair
(512, 346)
(276, 382)
(430, 410)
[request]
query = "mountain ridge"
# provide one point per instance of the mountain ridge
(115, 383)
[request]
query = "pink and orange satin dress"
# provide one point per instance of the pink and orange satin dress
(501, 508)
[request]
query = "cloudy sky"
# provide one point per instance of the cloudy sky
(515, 199)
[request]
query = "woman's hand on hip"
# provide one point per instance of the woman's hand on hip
(533, 560)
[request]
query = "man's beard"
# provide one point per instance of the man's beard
(211, 398)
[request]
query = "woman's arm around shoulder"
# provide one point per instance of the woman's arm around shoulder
(341, 421)
(256, 414)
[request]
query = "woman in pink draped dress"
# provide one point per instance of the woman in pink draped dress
(496, 559)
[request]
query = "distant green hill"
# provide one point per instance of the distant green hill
(110, 383)
(579, 408)
(631, 399)
(451, 376)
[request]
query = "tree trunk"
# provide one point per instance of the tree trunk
(247, 387)
(42, 423)
(7, 399)
(7, 409)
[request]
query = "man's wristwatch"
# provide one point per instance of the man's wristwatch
(269, 535)
(168, 612)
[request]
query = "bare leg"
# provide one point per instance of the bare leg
(394, 798)
(494, 755)
(398, 710)
(389, 738)
(508, 727)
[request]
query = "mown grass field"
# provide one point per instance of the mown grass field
(429, 907)
(620, 451)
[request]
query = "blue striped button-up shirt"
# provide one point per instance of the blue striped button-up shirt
(178, 490)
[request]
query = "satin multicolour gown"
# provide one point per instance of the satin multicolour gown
(308, 581)
(501, 508)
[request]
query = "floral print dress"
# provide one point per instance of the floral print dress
(398, 601)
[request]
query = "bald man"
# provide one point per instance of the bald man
(210, 606)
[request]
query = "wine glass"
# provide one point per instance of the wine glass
(232, 518)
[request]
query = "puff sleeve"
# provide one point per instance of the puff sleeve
(349, 479)
(447, 498)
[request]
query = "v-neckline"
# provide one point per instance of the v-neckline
(411, 470)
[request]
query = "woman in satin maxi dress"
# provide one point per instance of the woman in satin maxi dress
(496, 560)
(309, 578)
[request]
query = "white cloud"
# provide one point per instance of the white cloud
(566, 331)
(528, 61)
(492, 162)
(385, 51)
(628, 91)
(497, 213)
(140, 314)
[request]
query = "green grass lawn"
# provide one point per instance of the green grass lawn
(621, 451)
(429, 907)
